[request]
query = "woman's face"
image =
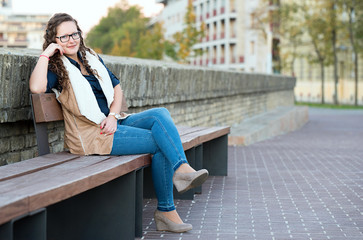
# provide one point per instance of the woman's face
(70, 47)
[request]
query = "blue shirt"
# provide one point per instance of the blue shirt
(93, 81)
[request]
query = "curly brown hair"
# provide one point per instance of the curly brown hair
(56, 64)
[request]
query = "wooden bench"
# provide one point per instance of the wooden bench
(66, 196)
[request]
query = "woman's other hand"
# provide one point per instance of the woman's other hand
(109, 125)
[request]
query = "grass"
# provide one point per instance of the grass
(332, 106)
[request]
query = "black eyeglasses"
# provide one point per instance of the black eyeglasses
(65, 38)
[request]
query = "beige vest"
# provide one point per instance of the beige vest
(81, 136)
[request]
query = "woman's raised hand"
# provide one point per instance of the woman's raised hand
(38, 78)
(52, 49)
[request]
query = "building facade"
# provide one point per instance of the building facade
(232, 40)
(20, 30)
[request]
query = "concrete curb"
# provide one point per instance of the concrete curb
(279, 121)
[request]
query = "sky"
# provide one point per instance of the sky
(86, 12)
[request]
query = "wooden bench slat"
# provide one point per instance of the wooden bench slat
(189, 141)
(47, 165)
(46, 176)
(34, 164)
(184, 130)
(211, 133)
(202, 134)
(193, 136)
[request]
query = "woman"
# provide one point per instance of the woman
(91, 99)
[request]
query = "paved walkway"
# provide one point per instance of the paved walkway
(307, 184)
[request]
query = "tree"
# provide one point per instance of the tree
(151, 43)
(316, 24)
(126, 32)
(354, 9)
(107, 33)
(124, 47)
(291, 30)
(181, 47)
(333, 27)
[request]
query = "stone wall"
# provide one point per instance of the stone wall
(193, 95)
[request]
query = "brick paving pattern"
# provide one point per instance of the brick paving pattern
(303, 185)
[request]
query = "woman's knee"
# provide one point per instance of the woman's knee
(161, 112)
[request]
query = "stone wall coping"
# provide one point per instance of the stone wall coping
(145, 82)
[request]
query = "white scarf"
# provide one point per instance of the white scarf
(85, 97)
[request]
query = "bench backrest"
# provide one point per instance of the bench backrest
(46, 108)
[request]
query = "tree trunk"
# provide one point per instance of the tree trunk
(356, 80)
(322, 71)
(355, 54)
(293, 59)
(335, 75)
(334, 40)
(322, 76)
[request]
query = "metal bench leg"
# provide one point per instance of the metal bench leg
(139, 202)
(215, 156)
(104, 212)
(149, 191)
(6, 231)
(198, 164)
(30, 226)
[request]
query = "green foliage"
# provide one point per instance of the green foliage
(358, 26)
(170, 50)
(125, 32)
(317, 23)
(354, 9)
(291, 29)
(181, 47)
(151, 43)
(332, 106)
(354, 30)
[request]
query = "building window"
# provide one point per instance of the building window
(214, 7)
(222, 35)
(215, 31)
(232, 6)
(252, 19)
(252, 47)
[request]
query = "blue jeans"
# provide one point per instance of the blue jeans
(153, 131)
